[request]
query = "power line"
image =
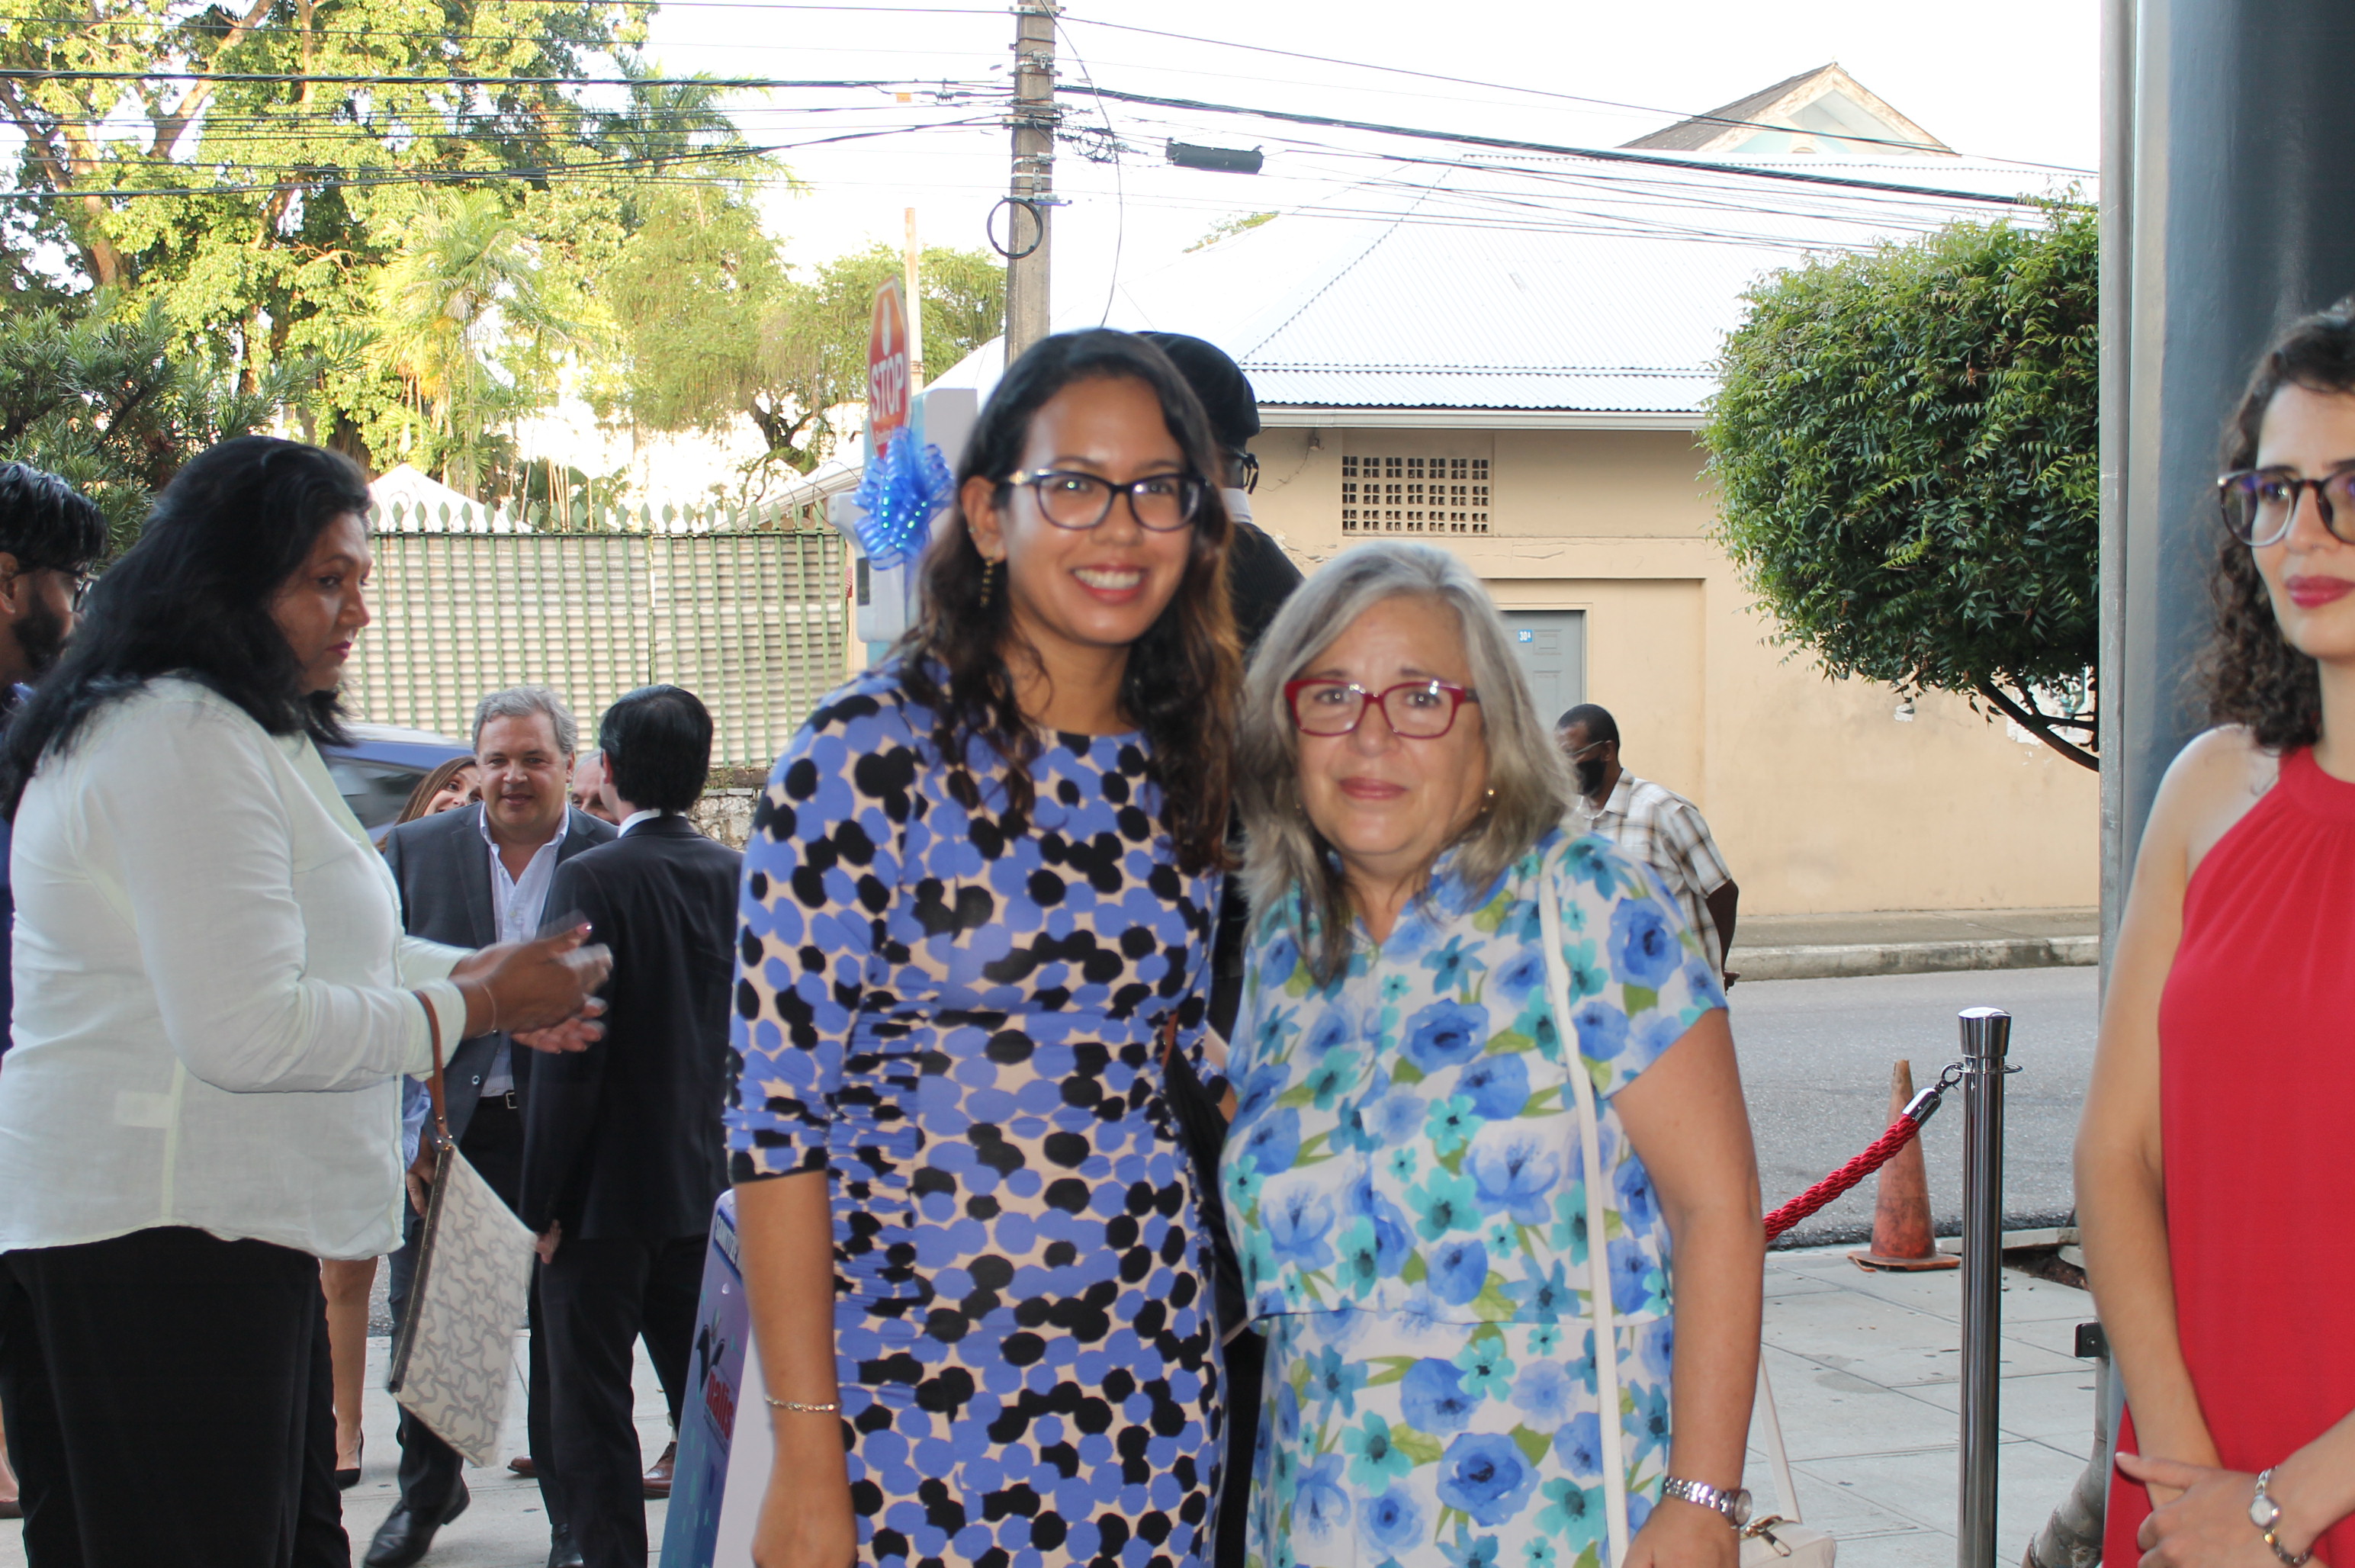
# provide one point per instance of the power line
(739, 84)
(324, 180)
(1605, 154)
(1726, 122)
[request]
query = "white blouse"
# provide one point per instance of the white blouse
(213, 1007)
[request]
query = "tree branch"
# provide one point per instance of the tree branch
(173, 125)
(2036, 724)
(37, 138)
(62, 168)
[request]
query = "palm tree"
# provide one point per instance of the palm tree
(466, 285)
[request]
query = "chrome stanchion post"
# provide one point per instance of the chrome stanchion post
(1986, 1037)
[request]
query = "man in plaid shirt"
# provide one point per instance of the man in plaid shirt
(1654, 825)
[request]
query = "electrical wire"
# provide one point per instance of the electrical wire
(1680, 116)
(1119, 184)
(1601, 155)
(298, 79)
(314, 179)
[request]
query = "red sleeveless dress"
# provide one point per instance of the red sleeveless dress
(2256, 1032)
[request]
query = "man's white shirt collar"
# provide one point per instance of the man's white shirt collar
(634, 819)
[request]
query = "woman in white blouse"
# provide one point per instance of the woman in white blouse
(215, 1003)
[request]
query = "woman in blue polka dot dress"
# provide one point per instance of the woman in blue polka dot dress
(976, 912)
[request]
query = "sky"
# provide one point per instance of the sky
(2013, 81)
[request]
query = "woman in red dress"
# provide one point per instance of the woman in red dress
(2214, 1181)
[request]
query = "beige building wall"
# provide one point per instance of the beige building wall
(1822, 798)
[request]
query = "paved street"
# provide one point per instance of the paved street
(1815, 1056)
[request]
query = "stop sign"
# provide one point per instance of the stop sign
(887, 367)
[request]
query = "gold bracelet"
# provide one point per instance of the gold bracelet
(489, 1002)
(798, 1408)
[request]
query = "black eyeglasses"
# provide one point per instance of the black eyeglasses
(78, 583)
(1414, 709)
(2261, 504)
(1161, 502)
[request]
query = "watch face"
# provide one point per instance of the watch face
(2264, 1512)
(1738, 1506)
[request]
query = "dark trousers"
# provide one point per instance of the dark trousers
(493, 1144)
(598, 1297)
(169, 1400)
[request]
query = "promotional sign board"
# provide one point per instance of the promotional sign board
(887, 368)
(707, 1419)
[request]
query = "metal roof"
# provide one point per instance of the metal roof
(1545, 284)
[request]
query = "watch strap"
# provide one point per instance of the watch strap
(1701, 1494)
(2265, 1514)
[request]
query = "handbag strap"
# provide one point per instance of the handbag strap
(433, 1088)
(1598, 1267)
(1787, 1497)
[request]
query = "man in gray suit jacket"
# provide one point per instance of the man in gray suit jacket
(471, 877)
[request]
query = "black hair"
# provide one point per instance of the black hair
(657, 746)
(47, 523)
(1228, 400)
(193, 598)
(1592, 718)
(2250, 674)
(1184, 673)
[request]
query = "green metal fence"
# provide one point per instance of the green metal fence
(755, 624)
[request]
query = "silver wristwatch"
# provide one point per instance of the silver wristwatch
(2265, 1514)
(1734, 1505)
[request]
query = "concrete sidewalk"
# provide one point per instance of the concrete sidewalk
(1865, 1373)
(1864, 1369)
(1911, 942)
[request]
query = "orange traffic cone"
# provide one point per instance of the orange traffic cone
(1901, 1237)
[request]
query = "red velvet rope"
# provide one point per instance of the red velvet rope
(1901, 1133)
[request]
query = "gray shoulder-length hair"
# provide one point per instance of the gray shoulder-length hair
(1284, 851)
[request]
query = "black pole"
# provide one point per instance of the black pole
(2240, 217)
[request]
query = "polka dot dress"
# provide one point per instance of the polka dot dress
(958, 1014)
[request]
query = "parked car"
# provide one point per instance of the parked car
(383, 764)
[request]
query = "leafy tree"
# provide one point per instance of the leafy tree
(465, 319)
(1905, 446)
(256, 164)
(110, 403)
(714, 325)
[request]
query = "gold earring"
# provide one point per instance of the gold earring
(988, 579)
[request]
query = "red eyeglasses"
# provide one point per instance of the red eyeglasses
(1414, 709)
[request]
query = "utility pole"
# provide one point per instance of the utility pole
(1030, 196)
(911, 265)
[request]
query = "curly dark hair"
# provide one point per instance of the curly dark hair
(1184, 672)
(2249, 674)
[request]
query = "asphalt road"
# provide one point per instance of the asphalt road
(1815, 1057)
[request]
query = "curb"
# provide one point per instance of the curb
(1831, 962)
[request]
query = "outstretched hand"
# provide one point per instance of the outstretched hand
(523, 988)
(578, 1032)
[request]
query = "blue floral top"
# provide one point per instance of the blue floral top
(1405, 1140)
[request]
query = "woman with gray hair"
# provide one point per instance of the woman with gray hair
(1403, 1177)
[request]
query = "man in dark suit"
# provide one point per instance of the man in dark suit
(472, 877)
(623, 1153)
